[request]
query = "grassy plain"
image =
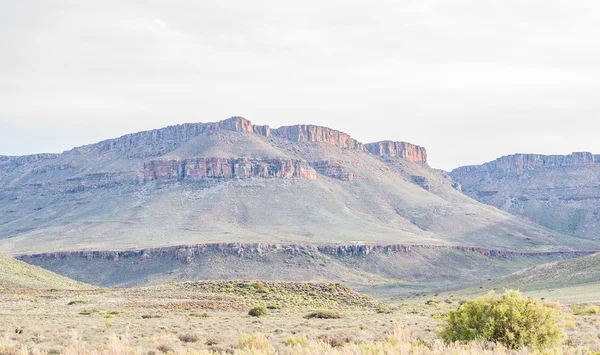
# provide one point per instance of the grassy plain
(212, 317)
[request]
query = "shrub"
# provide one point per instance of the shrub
(165, 349)
(188, 338)
(258, 311)
(151, 316)
(212, 340)
(509, 319)
(569, 323)
(109, 316)
(324, 314)
(255, 341)
(580, 310)
(335, 339)
(301, 341)
(431, 302)
(382, 308)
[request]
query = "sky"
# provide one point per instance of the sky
(470, 80)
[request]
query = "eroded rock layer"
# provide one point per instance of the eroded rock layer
(188, 252)
(403, 150)
(216, 168)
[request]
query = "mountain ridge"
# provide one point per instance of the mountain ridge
(232, 181)
(560, 192)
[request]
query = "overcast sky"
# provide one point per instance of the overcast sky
(471, 80)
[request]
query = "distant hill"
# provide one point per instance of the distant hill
(572, 281)
(562, 274)
(232, 181)
(15, 274)
(556, 191)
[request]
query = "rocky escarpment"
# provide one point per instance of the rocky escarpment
(165, 139)
(9, 163)
(219, 168)
(318, 134)
(520, 163)
(560, 192)
(404, 268)
(187, 252)
(177, 133)
(403, 150)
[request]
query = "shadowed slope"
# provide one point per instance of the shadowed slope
(15, 274)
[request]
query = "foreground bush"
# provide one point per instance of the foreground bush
(510, 319)
(399, 341)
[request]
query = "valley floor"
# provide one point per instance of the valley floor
(212, 316)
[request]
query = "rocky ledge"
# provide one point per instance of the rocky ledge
(203, 168)
(402, 150)
(518, 164)
(186, 253)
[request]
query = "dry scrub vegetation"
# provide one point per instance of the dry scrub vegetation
(212, 318)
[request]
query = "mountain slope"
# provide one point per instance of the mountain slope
(382, 270)
(15, 274)
(575, 280)
(231, 181)
(559, 192)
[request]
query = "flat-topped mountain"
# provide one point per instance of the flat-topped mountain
(561, 192)
(232, 181)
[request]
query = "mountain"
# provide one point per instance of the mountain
(556, 191)
(15, 274)
(232, 181)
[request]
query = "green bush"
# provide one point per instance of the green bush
(510, 319)
(258, 311)
(588, 310)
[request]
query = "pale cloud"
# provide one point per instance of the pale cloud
(469, 79)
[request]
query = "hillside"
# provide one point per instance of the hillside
(559, 192)
(563, 274)
(15, 274)
(381, 271)
(573, 281)
(232, 181)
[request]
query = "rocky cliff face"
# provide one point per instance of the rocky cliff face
(174, 134)
(310, 133)
(403, 150)
(9, 163)
(226, 168)
(558, 191)
(186, 253)
(518, 164)
(165, 139)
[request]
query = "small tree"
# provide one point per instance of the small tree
(510, 319)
